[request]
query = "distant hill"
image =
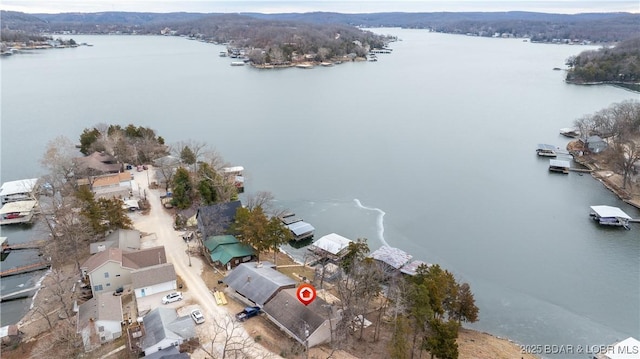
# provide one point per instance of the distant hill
(594, 27)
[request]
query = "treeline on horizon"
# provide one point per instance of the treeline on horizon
(543, 27)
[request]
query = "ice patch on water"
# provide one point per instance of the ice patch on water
(379, 220)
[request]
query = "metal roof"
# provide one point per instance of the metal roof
(332, 243)
(300, 228)
(542, 146)
(560, 163)
(412, 268)
(163, 323)
(392, 256)
(21, 206)
(225, 253)
(258, 282)
(19, 186)
(608, 211)
(148, 276)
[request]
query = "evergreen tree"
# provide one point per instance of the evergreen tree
(398, 344)
(182, 189)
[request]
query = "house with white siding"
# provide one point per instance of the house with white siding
(99, 320)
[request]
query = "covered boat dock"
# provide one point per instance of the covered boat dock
(610, 216)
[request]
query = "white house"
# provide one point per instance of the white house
(163, 328)
(99, 320)
(155, 279)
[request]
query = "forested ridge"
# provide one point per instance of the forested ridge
(617, 64)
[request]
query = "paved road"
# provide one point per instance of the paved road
(159, 224)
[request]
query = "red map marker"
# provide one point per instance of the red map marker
(306, 294)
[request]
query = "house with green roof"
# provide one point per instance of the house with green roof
(227, 251)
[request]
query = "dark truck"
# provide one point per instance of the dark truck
(247, 313)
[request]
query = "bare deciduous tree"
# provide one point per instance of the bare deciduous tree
(229, 340)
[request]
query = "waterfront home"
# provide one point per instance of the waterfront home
(595, 144)
(216, 219)
(610, 216)
(126, 239)
(113, 185)
(163, 329)
(20, 190)
(227, 251)
(99, 320)
(392, 258)
(258, 282)
(309, 325)
(17, 212)
(332, 246)
(561, 166)
(111, 269)
(98, 163)
(546, 150)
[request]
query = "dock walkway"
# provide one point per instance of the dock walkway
(25, 269)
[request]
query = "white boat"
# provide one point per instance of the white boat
(17, 212)
(570, 132)
(237, 63)
(610, 216)
(223, 54)
(546, 150)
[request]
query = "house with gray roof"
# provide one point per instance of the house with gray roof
(168, 353)
(258, 282)
(154, 279)
(595, 144)
(313, 323)
(99, 320)
(215, 219)
(126, 239)
(163, 328)
(111, 269)
(227, 251)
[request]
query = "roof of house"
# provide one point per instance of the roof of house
(167, 161)
(225, 253)
(162, 323)
(332, 243)
(133, 260)
(125, 239)
(103, 306)
(213, 242)
(560, 163)
(20, 206)
(168, 353)
(99, 161)
(258, 282)
(19, 186)
(113, 179)
(289, 312)
(217, 218)
(392, 256)
(625, 349)
(144, 258)
(148, 276)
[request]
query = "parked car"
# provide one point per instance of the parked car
(118, 291)
(197, 316)
(172, 297)
(247, 313)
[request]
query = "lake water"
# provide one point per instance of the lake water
(431, 150)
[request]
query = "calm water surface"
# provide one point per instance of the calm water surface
(430, 149)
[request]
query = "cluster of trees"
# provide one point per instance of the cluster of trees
(620, 124)
(7, 35)
(130, 144)
(618, 64)
(425, 311)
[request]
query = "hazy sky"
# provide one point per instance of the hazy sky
(349, 6)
